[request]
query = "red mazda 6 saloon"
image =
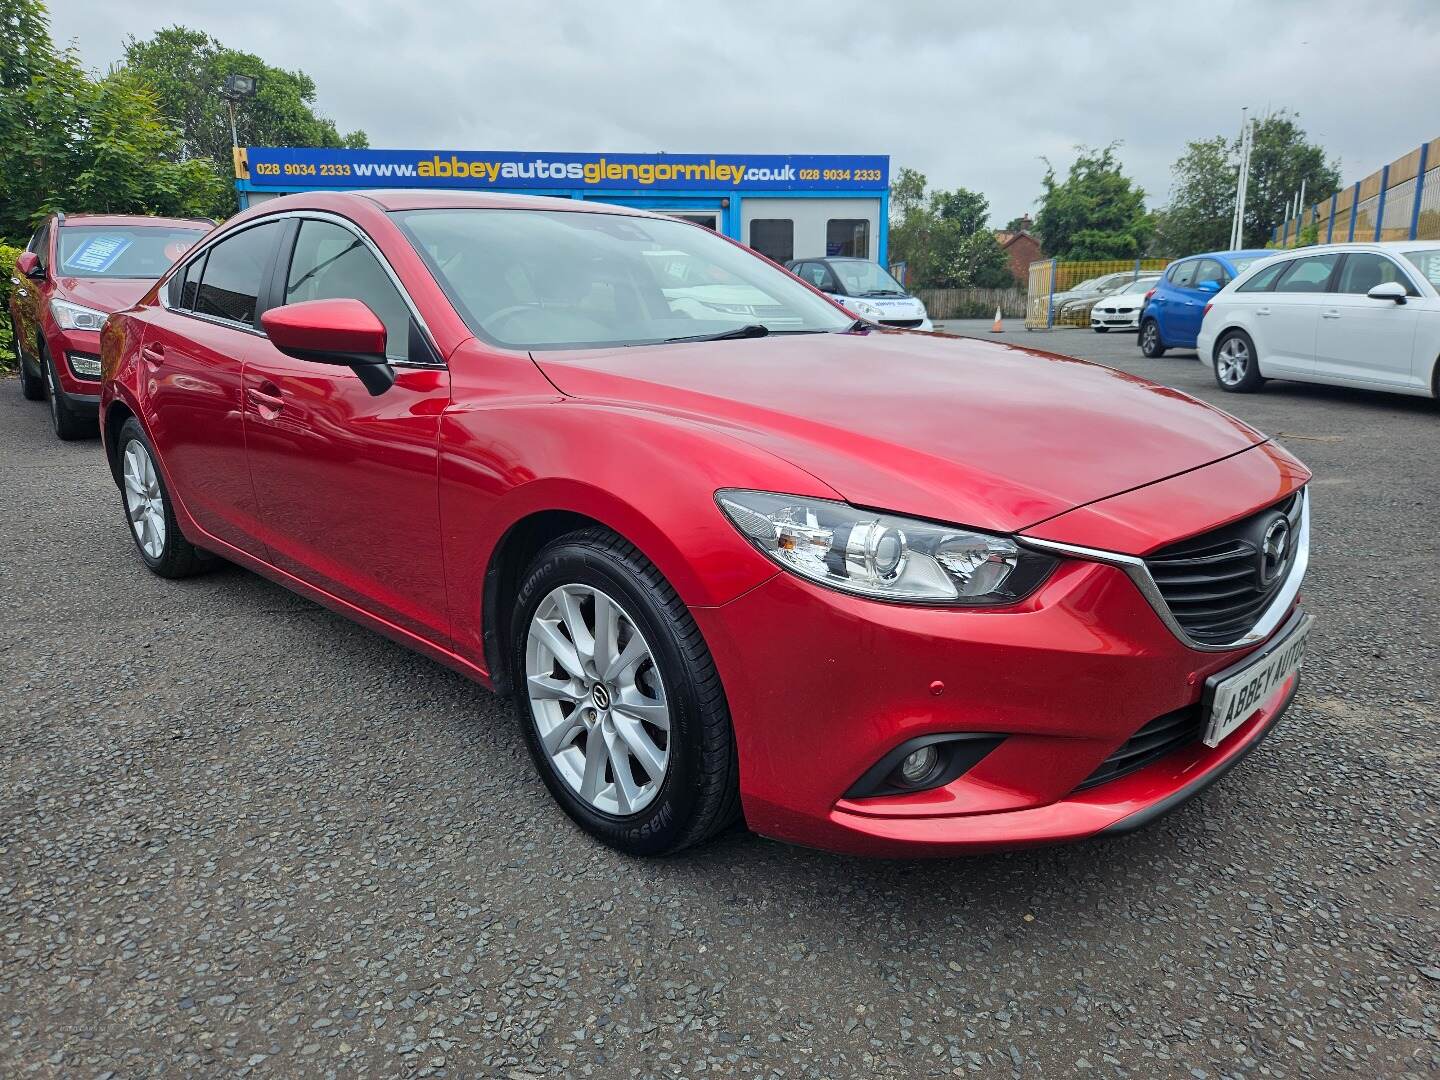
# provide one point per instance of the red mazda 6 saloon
(729, 549)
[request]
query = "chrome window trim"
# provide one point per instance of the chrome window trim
(1138, 572)
(313, 215)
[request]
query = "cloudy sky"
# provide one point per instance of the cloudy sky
(972, 94)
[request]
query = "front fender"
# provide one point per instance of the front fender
(649, 477)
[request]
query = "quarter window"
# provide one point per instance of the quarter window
(234, 273)
(774, 238)
(332, 263)
(1363, 270)
(1307, 275)
(847, 238)
(1264, 281)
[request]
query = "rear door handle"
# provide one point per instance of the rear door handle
(154, 353)
(1331, 314)
(1262, 311)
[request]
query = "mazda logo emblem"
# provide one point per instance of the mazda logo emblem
(1273, 549)
(600, 697)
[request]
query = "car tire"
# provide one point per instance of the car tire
(68, 424)
(586, 743)
(1151, 344)
(1237, 367)
(32, 383)
(148, 510)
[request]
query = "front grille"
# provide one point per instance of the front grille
(1218, 585)
(1152, 742)
(904, 324)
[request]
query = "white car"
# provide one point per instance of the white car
(1121, 309)
(866, 288)
(1362, 315)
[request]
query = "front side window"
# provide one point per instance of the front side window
(1363, 270)
(1209, 270)
(112, 251)
(1427, 262)
(234, 272)
(331, 263)
(847, 238)
(557, 279)
(1307, 275)
(819, 275)
(774, 238)
(1264, 281)
(40, 245)
(866, 278)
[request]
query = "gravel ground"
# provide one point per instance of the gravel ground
(242, 836)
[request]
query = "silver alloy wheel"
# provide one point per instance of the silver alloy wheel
(1232, 361)
(1152, 335)
(144, 501)
(597, 699)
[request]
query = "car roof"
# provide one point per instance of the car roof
(1247, 253)
(133, 220)
(1359, 245)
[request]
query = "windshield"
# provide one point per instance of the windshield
(548, 279)
(1428, 263)
(122, 251)
(1241, 264)
(861, 278)
(1137, 285)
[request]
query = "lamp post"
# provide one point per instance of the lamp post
(236, 88)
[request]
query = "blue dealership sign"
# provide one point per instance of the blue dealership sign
(301, 167)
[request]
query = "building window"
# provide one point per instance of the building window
(774, 238)
(847, 237)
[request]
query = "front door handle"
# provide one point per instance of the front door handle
(154, 353)
(266, 399)
(1262, 311)
(1331, 314)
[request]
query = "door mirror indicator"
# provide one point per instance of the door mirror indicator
(1388, 290)
(343, 332)
(29, 265)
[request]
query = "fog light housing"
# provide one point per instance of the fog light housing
(922, 763)
(84, 365)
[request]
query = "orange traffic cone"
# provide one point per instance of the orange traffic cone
(998, 327)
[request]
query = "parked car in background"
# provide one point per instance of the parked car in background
(1361, 315)
(1120, 309)
(1174, 309)
(891, 593)
(77, 270)
(1072, 305)
(866, 288)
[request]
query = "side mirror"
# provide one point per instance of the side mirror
(343, 332)
(1388, 290)
(29, 265)
(1209, 286)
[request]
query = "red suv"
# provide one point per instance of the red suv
(76, 270)
(882, 591)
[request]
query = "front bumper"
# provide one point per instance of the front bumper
(1119, 320)
(821, 685)
(81, 394)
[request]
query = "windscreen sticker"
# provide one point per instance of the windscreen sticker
(96, 255)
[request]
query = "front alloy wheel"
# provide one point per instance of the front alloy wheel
(1150, 343)
(598, 699)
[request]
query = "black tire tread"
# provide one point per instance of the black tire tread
(718, 800)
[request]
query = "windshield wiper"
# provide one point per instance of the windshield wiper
(746, 331)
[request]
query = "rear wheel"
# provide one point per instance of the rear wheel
(1150, 343)
(147, 508)
(618, 699)
(68, 424)
(1236, 368)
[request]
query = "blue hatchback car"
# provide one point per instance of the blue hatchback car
(1171, 319)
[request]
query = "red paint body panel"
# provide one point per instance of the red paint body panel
(390, 509)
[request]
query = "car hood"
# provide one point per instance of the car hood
(972, 432)
(103, 294)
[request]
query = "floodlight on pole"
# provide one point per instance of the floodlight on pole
(237, 88)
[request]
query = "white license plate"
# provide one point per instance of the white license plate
(1236, 696)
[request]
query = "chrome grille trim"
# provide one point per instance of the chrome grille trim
(1268, 620)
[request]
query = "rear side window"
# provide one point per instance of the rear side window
(332, 263)
(1182, 275)
(1363, 270)
(1264, 281)
(234, 274)
(1307, 275)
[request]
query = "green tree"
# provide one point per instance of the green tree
(944, 236)
(1096, 212)
(1202, 200)
(187, 67)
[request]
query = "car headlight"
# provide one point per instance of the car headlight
(74, 317)
(863, 307)
(884, 556)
